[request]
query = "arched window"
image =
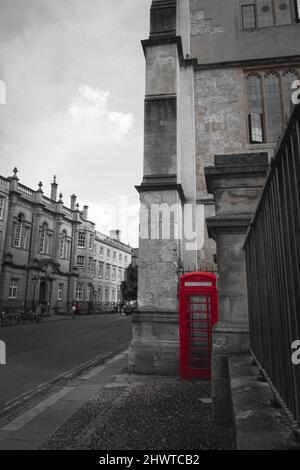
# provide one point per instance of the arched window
(269, 95)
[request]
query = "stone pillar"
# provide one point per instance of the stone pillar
(155, 345)
(236, 181)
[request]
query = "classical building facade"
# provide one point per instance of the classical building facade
(219, 77)
(52, 255)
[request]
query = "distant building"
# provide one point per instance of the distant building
(52, 255)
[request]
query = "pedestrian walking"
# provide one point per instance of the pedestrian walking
(73, 309)
(77, 308)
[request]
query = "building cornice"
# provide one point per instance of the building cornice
(249, 63)
(232, 223)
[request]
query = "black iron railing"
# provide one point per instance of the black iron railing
(272, 250)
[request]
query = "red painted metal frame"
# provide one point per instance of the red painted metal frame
(209, 290)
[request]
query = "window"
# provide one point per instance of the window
(60, 292)
(288, 78)
(120, 275)
(80, 261)
(25, 240)
(108, 254)
(100, 270)
(114, 256)
(13, 289)
(269, 95)
(91, 243)
(18, 234)
(120, 258)
(125, 261)
(101, 251)
(43, 238)
(2, 203)
(68, 249)
(113, 295)
(107, 273)
(81, 240)
(266, 13)
(249, 16)
(79, 292)
(283, 12)
(62, 246)
(99, 295)
(297, 6)
(114, 273)
(106, 294)
(273, 105)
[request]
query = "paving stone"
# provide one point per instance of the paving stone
(159, 415)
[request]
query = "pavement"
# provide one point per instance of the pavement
(106, 408)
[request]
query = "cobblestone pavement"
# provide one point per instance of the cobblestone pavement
(158, 415)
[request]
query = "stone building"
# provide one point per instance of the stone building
(219, 77)
(51, 255)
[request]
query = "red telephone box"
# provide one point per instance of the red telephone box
(198, 313)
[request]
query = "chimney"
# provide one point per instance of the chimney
(73, 202)
(54, 186)
(115, 235)
(85, 212)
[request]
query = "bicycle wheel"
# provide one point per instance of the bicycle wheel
(38, 318)
(16, 319)
(7, 320)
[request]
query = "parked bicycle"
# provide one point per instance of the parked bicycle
(14, 318)
(9, 318)
(30, 317)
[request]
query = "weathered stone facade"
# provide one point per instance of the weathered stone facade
(52, 255)
(201, 60)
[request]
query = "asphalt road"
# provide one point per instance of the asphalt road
(38, 353)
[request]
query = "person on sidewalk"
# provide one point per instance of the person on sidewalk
(77, 309)
(73, 309)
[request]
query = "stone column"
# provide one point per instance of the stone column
(155, 345)
(236, 181)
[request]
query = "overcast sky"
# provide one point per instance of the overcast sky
(74, 73)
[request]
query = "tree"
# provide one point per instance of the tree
(130, 284)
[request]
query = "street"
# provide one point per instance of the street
(40, 352)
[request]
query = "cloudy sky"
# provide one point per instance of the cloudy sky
(74, 73)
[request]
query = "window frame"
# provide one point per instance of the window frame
(261, 75)
(63, 245)
(60, 292)
(79, 290)
(13, 288)
(2, 207)
(255, 16)
(293, 7)
(43, 239)
(78, 264)
(101, 270)
(18, 235)
(81, 240)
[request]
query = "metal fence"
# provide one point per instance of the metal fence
(272, 250)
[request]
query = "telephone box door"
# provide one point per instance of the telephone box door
(198, 313)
